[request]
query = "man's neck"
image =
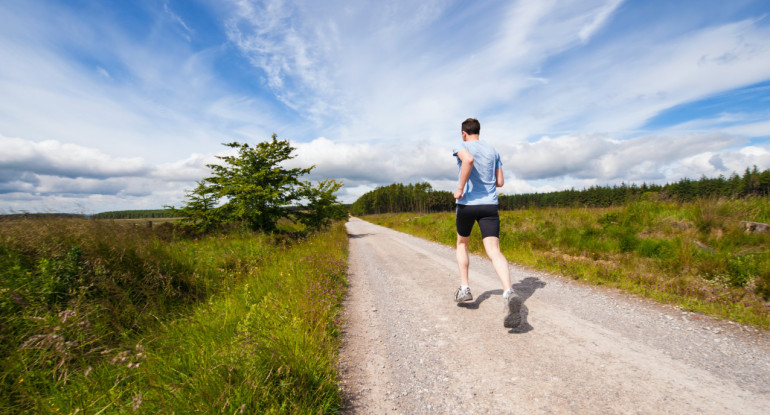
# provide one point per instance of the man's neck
(470, 137)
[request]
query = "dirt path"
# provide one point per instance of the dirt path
(580, 350)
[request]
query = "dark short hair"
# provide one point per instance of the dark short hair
(472, 126)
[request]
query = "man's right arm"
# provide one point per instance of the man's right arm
(465, 171)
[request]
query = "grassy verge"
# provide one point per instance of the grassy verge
(101, 318)
(692, 255)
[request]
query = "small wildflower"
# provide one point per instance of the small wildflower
(64, 315)
(136, 401)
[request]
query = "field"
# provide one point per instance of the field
(99, 317)
(694, 255)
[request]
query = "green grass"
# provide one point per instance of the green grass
(98, 317)
(692, 255)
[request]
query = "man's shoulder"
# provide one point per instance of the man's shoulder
(459, 146)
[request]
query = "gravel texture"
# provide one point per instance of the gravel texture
(409, 348)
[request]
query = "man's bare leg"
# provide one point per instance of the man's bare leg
(492, 246)
(462, 258)
(511, 302)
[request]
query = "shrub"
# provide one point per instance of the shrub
(741, 269)
(656, 248)
(627, 240)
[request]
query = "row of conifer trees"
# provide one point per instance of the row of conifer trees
(421, 197)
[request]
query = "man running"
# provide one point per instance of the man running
(481, 173)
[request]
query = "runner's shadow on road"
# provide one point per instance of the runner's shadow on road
(357, 235)
(524, 289)
(474, 305)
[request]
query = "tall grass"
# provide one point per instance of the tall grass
(694, 254)
(103, 318)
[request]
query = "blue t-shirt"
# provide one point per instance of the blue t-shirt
(481, 188)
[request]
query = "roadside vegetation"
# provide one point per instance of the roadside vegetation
(691, 254)
(99, 316)
(214, 315)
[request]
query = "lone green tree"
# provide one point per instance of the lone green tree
(255, 189)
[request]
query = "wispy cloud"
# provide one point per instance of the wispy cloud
(293, 57)
(603, 14)
(646, 76)
(175, 17)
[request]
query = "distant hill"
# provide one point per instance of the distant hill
(135, 214)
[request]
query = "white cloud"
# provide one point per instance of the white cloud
(57, 176)
(381, 163)
(646, 158)
(551, 157)
(193, 168)
(62, 159)
(713, 164)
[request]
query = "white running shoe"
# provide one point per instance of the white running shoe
(512, 308)
(463, 295)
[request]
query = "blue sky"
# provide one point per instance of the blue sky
(108, 105)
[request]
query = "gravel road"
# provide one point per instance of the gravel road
(409, 348)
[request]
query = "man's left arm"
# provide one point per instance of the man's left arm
(499, 177)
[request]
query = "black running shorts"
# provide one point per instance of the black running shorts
(485, 215)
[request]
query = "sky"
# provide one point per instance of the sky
(116, 105)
